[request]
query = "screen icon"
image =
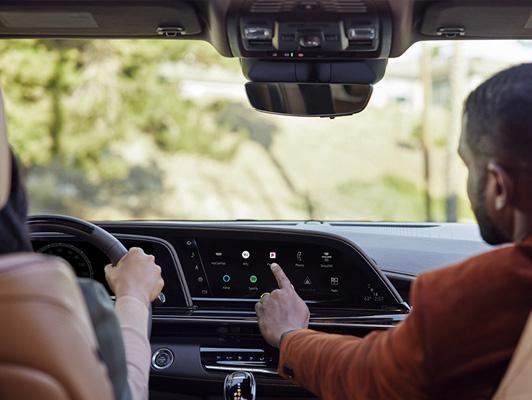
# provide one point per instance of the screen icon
(226, 278)
(299, 256)
(307, 281)
(253, 279)
(245, 254)
(335, 281)
(273, 255)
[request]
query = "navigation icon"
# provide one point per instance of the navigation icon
(307, 281)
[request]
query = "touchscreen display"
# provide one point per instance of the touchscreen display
(241, 269)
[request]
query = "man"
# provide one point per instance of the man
(466, 319)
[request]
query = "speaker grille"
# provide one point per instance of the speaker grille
(344, 6)
(337, 6)
(273, 6)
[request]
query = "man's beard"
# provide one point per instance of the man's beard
(489, 230)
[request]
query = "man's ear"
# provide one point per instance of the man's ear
(500, 187)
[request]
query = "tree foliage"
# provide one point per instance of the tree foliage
(69, 101)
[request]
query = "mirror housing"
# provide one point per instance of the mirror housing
(309, 99)
(311, 88)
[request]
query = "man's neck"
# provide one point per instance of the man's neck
(522, 227)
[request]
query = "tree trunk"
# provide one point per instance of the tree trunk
(55, 87)
(458, 77)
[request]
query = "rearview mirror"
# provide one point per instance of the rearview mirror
(308, 99)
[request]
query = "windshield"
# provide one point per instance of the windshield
(123, 129)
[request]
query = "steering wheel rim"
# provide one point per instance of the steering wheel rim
(86, 231)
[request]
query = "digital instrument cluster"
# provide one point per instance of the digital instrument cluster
(229, 269)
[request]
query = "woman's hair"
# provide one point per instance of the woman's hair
(14, 235)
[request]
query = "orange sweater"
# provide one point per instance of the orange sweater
(455, 344)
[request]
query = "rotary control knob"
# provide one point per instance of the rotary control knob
(162, 359)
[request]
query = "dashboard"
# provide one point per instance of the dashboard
(355, 279)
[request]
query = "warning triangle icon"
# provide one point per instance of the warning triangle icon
(307, 281)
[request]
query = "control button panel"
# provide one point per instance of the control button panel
(162, 359)
(196, 277)
(334, 37)
(236, 359)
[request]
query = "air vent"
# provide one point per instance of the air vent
(344, 6)
(273, 6)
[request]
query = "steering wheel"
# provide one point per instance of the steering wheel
(85, 231)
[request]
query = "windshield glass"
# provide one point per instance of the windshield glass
(137, 129)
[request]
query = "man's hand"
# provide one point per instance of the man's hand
(136, 275)
(281, 311)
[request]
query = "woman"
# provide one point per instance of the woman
(136, 280)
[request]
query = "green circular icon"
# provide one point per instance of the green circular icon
(253, 279)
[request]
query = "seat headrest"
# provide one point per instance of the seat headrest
(5, 160)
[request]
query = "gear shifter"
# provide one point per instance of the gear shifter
(240, 385)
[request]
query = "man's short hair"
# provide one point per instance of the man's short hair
(499, 117)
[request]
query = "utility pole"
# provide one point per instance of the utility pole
(426, 79)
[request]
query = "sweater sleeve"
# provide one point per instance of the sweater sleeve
(382, 365)
(133, 317)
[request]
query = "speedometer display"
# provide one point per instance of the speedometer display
(73, 256)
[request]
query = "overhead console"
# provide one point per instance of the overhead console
(314, 58)
(311, 29)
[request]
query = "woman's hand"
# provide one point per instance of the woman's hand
(136, 275)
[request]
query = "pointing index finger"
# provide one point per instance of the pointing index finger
(280, 277)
